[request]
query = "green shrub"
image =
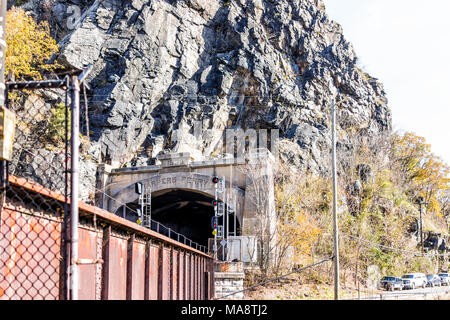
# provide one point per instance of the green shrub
(56, 125)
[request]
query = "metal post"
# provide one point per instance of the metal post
(215, 214)
(421, 228)
(228, 199)
(66, 248)
(336, 238)
(3, 10)
(75, 135)
(225, 220)
(86, 111)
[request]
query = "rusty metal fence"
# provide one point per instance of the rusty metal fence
(33, 239)
(31, 247)
(118, 259)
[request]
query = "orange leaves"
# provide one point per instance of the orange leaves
(427, 174)
(29, 46)
(296, 203)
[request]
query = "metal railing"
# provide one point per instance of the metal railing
(168, 232)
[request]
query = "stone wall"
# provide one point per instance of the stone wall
(227, 283)
(229, 278)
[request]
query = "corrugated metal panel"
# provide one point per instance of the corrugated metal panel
(152, 272)
(175, 275)
(30, 257)
(192, 277)
(165, 289)
(205, 279)
(197, 280)
(202, 279)
(188, 277)
(136, 270)
(195, 265)
(116, 264)
(181, 277)
(88, 249)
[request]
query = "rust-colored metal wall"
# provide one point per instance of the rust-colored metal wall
(136, 269)
(118, 259)
(152, 272)
(90, 249)
(174, 272)
(29, 256)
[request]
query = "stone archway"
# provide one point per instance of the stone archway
(161, 183)
(180, 175)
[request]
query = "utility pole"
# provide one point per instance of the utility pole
(3, 10)
(421, 224)
(75, 160)
(335, 218)
(75, 147)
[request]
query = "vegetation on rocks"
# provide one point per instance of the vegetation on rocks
(29, 46)
(379, 181)
(57, 124)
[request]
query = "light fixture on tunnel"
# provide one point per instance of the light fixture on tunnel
(214, 222)
(138, 187)
(139, 213)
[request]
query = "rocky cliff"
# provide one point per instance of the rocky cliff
(161, 66)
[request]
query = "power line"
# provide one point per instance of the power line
(416, 253)
(277, 278)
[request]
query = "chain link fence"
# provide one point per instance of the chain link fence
(35, 192)
(34, 195)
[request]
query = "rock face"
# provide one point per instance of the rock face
(161, 66)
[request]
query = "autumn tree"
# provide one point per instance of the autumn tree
(300, 204)
(258, 170)
(29, 46)
(427, 174)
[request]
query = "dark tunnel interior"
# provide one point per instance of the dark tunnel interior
(186, 212)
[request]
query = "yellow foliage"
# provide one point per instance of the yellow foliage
(29, 46)
(428, 174)
(296, 205)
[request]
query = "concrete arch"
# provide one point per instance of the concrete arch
(160, 183)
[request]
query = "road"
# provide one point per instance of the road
(416, 294)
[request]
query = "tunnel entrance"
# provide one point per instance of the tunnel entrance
(186, 212)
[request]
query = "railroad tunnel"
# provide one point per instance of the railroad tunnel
(184, 211)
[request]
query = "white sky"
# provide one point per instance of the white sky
(406, 45)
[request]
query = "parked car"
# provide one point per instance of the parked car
(433, 280)
(391, 283)
(445, 278)
(414, 280)
(384, 280)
